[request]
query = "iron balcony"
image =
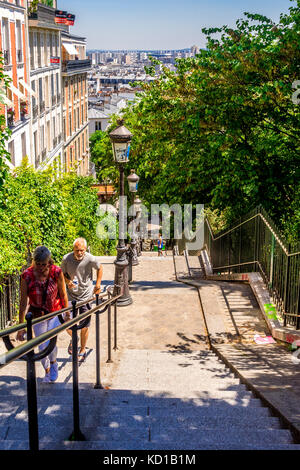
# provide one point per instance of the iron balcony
(71, 67)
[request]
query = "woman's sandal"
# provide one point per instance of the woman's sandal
(81, 357)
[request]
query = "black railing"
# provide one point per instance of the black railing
(69, 66)
(9, 299)
(254, 244)
(26, 352)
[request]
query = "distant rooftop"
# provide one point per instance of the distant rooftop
(96, 114)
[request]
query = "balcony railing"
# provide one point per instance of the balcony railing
(42, 106)
(76, 66)
(46, 14)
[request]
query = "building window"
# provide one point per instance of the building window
(5, 41)
(23, 140)
(48, 136)
(57, 85)
(19, 41)
(42, 137)
(31, 50)
(38, 41)
(33, 100)
(35, 145)
(47, 101)
(50, 45)
(54, 132)
(11, 149)
(46, 60)
(52, 86)
(41, 96)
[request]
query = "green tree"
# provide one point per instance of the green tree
(4, 131)
(223, 129)
(40, 207)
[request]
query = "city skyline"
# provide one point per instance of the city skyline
(167, 25)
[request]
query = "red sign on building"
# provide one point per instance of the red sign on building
(70, 19)
(54, 60)
(60, 17)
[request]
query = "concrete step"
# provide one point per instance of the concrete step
(160, 433)
(54, 415)
(134, 445)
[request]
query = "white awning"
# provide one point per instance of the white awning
(27, 87)
(70, 48)
(16, 91)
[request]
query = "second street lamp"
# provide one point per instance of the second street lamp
(120, 139)
(137, 209)
(133, 180)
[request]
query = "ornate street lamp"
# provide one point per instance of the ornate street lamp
(120, 139)
(137, 209)
(133, 180)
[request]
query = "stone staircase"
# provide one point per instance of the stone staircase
(163, 400)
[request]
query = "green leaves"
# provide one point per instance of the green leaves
(41, 208)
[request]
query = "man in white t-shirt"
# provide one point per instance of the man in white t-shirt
(77, 267)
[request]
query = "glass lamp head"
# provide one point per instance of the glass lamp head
(133, 180)
(120, 139)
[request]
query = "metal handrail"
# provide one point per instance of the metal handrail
(267, 251)
(258, 214)
(26, 352)
(21, 326)
(23, 349)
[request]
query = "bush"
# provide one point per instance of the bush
(50, 209)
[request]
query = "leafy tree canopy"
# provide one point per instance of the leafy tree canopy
(223, 129)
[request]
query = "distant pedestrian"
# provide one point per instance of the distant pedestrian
(43, 287)
(77, 267)
(160, 246)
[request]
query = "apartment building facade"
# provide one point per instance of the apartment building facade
(45, 81)
(75, 67)
(46, 105)
(16, 103)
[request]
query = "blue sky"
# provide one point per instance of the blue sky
(159, 24)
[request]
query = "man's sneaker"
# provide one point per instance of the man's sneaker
(46, 379)
(53, 372)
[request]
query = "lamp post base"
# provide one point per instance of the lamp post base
(121, 278)
(134, 259)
